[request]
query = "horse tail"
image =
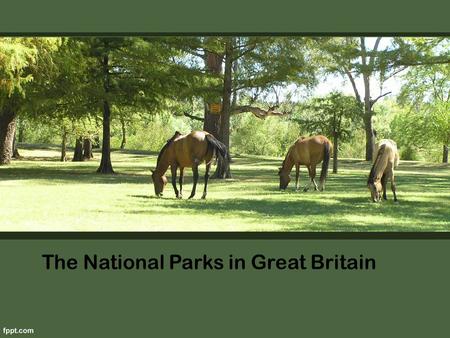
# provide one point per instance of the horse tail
(397, 159)
(219, 149)
(325, 163)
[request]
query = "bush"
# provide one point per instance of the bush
(151, 134)
(272, 136)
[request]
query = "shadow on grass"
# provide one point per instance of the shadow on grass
(299, 214)
(71, 174)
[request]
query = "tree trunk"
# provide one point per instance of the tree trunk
(105, 163)
(16, 154)
(213, 63)
(87, 149)
(370, 139)
(335, 153)
(78, 152)
(7, 131)
(223, 167)
(445, 154)
(64, 146)
(124, 133)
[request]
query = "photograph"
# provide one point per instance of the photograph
(228, 133)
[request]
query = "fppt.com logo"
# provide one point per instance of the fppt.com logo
(13, 331)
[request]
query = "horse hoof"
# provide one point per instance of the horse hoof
(190, 197)
(305, 190)
(179, 197)
(203, 197)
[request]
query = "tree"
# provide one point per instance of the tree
(25, 63)
(352, 58)
(334, 115)
(427, 93)
(253, 67)
(440, 126)
(64, 99)
(102, 50)
(135, 72)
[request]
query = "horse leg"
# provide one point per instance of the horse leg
(306, 188)
(173, 169)
(384, 179)
(195, 172)
(297, 175)
(208, 166)
(181, 181)
(313, 176)
(393, 186)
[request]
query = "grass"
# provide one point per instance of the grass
(39, 193)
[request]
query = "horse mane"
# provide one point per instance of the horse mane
(285, 158)
(168, 143)
(376, 165)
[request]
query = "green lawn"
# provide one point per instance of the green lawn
(40, 193)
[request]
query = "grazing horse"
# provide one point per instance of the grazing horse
(308, 151)
(183, 151)
(385, 159)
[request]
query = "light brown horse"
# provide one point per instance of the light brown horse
(385, 159)
(308, 151)
(183, 151)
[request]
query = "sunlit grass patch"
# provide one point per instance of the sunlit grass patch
(40, 193)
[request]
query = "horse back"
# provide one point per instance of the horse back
(309, 150)
(390, 152)
(192, 147)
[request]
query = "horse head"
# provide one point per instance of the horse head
(285, 178)
(376, 190)
(159, 182)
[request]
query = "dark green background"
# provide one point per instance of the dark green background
(331, 16)
(407, 295)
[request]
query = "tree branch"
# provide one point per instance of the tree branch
(245, 51)
(352, 81)
(423, 63)
(372, 102)
(258, 112)
(193, 117)
(374, 50)
(395, 72)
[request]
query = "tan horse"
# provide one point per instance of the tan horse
(183, 151)
(385, 159)
(308, 151)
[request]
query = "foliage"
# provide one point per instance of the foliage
(151, 133)
(58, 83)
(22, 60)
(272, 136)
(426, 96)
(334, 115)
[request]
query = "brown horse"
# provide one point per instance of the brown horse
(385, 159)
(183, 151)
(308, 151)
